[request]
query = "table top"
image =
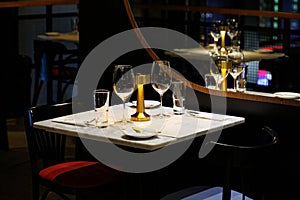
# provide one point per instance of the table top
(67, 37)
(175, 128)
(250, 55)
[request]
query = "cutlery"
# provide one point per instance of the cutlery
(68, 123)
(85, 123)
(88, 122)
(196, 114)
(141, 130)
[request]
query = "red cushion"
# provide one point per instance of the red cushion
(80, 174)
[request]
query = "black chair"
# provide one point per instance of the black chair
(245, 161)
(53, 62)
(243, 165)
(83, 178)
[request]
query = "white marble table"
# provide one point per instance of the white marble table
(174, 129)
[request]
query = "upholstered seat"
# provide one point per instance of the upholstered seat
(79, 174)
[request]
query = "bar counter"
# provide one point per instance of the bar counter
(251, 96)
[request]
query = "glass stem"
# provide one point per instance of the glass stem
(161, 107)
(123, 117)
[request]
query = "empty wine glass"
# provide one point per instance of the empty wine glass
(236, 56)
(123, 84)
(232, 29)
(161, 78)
(235, 71)
(215, 31)
(219, 73)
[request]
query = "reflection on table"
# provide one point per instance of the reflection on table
(67, 37)
(250, 55)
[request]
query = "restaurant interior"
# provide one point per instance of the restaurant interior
(42, 54)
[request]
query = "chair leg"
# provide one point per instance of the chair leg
(36, 93)
(49, 92)
(226, 194)
(35, 191)
(63, 91)
(59, 96)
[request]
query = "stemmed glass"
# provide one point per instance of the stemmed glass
(161, 78)
(235, 71)
(123, 84)
(219, 74)
(236, 56)
(232, 29)
(215, 31)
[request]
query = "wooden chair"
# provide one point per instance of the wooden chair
(49, 169)
(53, 62)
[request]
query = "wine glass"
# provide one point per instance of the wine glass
(123, 84)
(215, 31)
(232, 29)
(219, 73)
(236, 56)
(161, 78)
(235, 71)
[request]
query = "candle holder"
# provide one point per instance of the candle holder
(140, 114)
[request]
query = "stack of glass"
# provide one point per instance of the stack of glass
(227, 59)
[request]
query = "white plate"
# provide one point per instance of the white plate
(287, 95)
(148, 104)
(143, 135)
(52, 33)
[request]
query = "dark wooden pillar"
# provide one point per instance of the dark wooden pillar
(8, 51)
(99, 22)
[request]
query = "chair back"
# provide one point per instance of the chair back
(45, 148)
(244, 159)
(53, 61)
(242, 149)
(45, 54)
(49, 54)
